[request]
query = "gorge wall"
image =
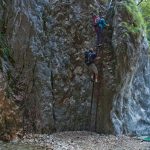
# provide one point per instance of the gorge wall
(47, 77)
(131, 103)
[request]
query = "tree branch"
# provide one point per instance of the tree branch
(140, 2)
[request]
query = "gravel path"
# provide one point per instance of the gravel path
(81, 140)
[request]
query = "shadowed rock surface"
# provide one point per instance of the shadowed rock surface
(130, 113)
(10, 122)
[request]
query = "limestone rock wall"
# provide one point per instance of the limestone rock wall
(47, 76)
(10, 121)
(130, 113)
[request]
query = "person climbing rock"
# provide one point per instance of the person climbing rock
(90, 58)
(95, 19)
(99, 24)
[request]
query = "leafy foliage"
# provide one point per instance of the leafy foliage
(145, 9)
(133, 20)
(4, 49)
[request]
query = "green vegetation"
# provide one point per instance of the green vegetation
(145, 9)
(4, 48)
(133, 18)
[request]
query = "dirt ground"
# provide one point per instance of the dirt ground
(81, 140)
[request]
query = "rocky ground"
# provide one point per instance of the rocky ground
(76, 140)
(79, 141)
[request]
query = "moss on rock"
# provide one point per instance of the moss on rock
(133, 20)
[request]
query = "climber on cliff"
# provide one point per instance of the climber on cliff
(99, 24)
(90, 58)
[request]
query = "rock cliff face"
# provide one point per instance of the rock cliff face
(50, 82)
(130, 113)
(9, 117)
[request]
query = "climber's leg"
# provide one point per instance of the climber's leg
(93, 69)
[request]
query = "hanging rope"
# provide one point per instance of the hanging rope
(93, 119)
(92, 102)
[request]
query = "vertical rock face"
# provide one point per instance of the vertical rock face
(130, 113)
(9, 117)
(48, 77)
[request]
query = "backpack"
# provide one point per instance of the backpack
(89, 57)
(102, 23)
(96, 20)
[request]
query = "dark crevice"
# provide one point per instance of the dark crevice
(92, 120)
(29, 122)
(104, 89)
(53, 97)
